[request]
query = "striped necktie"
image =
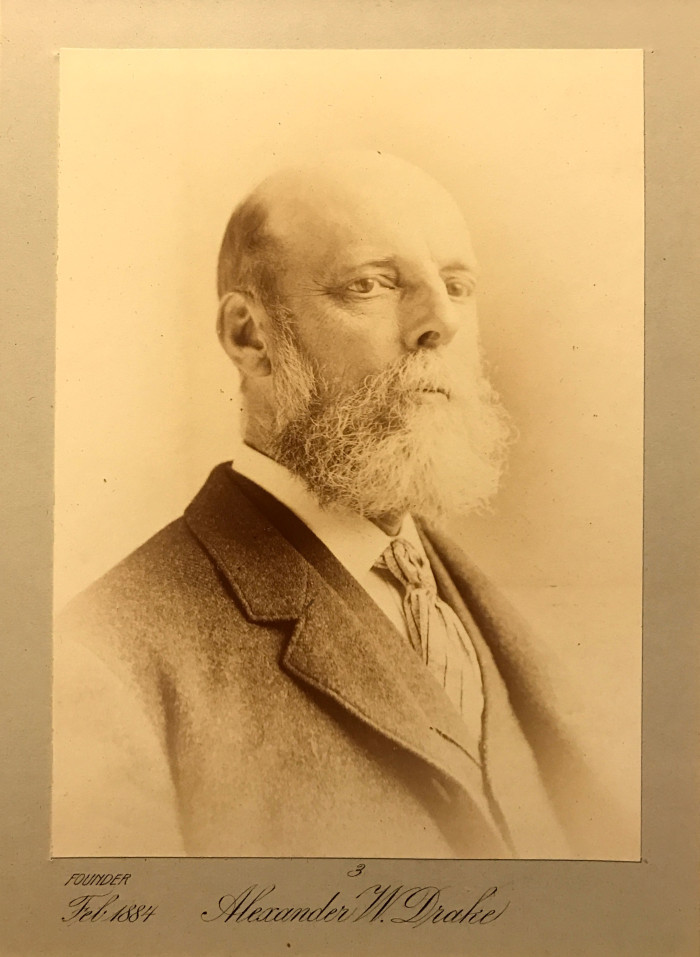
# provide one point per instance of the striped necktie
(436, 632)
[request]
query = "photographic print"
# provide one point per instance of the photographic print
(348, 455)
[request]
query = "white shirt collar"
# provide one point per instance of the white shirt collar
(355, 541)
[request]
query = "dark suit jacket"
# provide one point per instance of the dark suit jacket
(229, 689)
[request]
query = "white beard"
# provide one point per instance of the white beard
(386, 448)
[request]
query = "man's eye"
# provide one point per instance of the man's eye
(368, 285)
(456, 289)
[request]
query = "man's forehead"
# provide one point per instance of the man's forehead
(319, 212)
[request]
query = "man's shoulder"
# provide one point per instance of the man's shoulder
(169, 567)
(164, 593)
(160, 564)
(163, 609)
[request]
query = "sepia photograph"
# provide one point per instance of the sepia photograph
(348, 454)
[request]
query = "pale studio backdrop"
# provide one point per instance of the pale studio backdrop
(544, 152)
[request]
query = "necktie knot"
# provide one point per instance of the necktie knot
(407, 565)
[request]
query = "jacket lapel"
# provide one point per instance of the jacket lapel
(342, 644)
(357, 657)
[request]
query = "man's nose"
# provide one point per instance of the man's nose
(429, 318)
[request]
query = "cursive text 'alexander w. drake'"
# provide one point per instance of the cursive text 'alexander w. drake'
(396, 904)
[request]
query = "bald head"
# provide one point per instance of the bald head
(301, 213)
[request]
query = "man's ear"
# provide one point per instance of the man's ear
(241, 330)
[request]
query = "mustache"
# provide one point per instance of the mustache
(408, 375)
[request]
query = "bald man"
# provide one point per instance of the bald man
(304, 664)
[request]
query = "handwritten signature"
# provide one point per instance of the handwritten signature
(395, 903)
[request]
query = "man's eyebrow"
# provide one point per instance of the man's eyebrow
(387, 262)
(458, 265)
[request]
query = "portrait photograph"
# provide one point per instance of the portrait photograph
(348, 457)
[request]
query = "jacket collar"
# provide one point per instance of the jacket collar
(266, 572)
